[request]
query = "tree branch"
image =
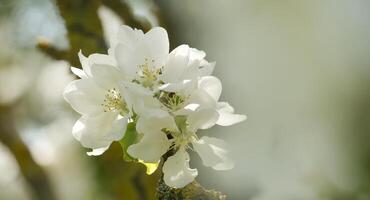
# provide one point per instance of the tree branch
(34, 174)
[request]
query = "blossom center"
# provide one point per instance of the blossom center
(172, 100)
(148, 74)
(113, 101)
(182, 139)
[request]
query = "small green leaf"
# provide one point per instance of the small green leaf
(129, 139)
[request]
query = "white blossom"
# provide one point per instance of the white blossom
(168, 96)
(99, 99)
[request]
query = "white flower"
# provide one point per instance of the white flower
(184, 67)
(213, 87)
(188, 75)
(140, 56)
(99, 99)
(167, 96)
(176, 169)
(189, 93)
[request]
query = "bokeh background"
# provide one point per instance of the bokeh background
(299, 69)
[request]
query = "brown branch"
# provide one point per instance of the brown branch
(34, 174)
(45, 46)
(84, 31)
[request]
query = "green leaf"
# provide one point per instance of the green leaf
(129, 139)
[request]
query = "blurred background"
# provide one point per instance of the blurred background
(299, 69)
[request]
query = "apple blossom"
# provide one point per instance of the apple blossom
(153, 102)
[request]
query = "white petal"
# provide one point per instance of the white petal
(176, 65)
(202, 118)
(228, 119)
(213, 153)
(78, 72)
(158, 44)
(196, 54)
(176, 170)
(211, 85)
(84, 96)
(224, 107)
(227, 116)
(128, 59)
(182, 50)
(202, 98)
(84, 63)
(137, 89)
(142, 100)
(118, 129)
(97, 152)
(146, 125)
(101, 59)
(129, 36)
(96, 132)
(192, 107)
(176, 87)
(151, 147)
(106, 76)
(207, 68)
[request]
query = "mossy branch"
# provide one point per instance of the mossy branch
(193, 191)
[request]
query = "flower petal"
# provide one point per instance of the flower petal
(227, 116)
(97, 152)
(206, 69)
(84, 96)
(78, 72)
(213, 153)
(146, 125)
(118, 129)
(177, 87)
(98, 131)
(176, 65)
(84, 63)
(176, 170)
(151, 147)
(129, 36)
(202, 98)
(106, 76)
(211, 85)
(101, 59)
(128, 59)
(202, 118)
(158, 44)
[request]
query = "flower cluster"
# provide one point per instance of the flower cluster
(167, 96)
